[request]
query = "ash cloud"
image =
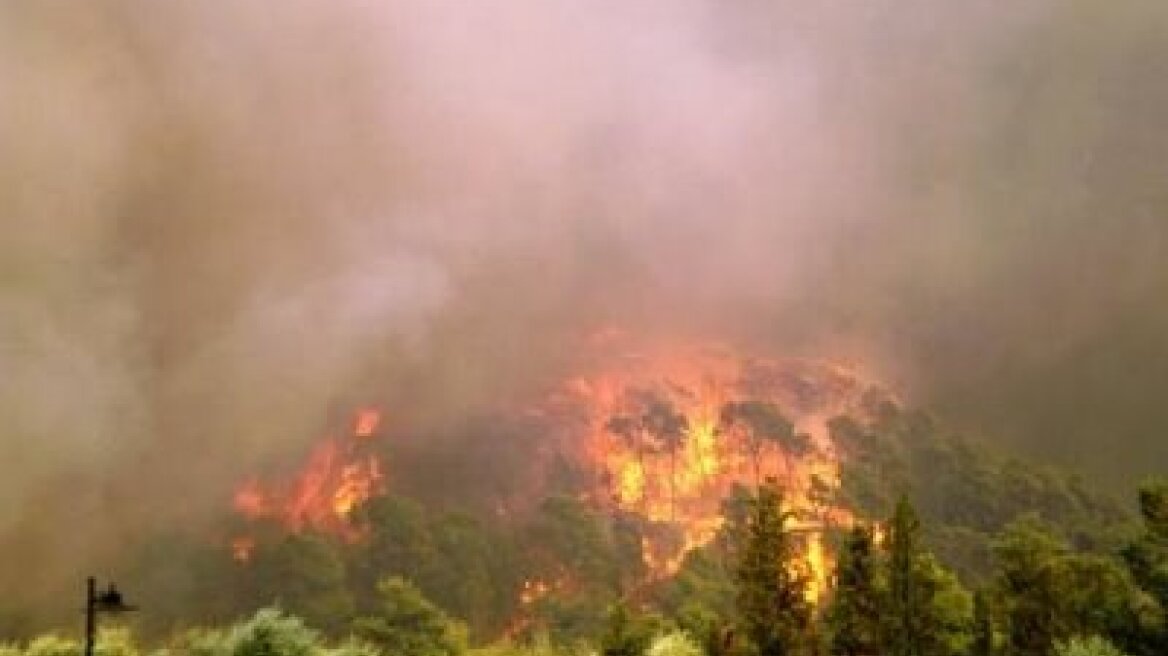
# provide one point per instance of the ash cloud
(223, 221)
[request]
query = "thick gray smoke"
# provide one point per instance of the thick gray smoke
(224, 220)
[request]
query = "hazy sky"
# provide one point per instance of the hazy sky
(223, 221)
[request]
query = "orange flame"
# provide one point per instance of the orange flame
(338, 476)
(669, 432)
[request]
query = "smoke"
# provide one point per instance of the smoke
(224, 221)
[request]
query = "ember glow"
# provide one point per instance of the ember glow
(670, 431)
(339, 474)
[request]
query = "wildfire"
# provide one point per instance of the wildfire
(669, 432)
(339, 475)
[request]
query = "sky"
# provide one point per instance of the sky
(225, 222)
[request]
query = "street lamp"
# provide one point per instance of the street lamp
(107, 601)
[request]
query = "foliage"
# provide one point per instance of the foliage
(628, 633)
(674, 643)
(1072, 568)
(305, 574)
(270, 632)
(1092, 646)
(352, 647)
(1146, 558)
(115, 641)
(52, 645)
(964, 492)
(456, 560)
(701, 596)
(540, 644)
(772, 594)
(409, 624)
(1052, 592)
(927, 610)
(853, 615)
(984, 639)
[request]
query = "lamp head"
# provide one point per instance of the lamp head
(110, 601)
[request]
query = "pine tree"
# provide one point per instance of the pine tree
(903, 627)
(1028, 558)
(853, 617)
(408, 623)
(928, 612)
(983, 626)
(772, 601)
(626, 633)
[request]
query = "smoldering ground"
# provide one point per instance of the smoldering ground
(224, 220)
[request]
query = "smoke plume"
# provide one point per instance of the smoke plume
(224, 222)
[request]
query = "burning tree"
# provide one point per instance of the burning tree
(772, 589)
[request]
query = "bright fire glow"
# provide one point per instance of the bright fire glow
(338, 476)
(670, 431)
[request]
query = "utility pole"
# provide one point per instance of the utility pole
(109, 601)
(90, 613)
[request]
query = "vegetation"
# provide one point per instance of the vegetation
(772, 594)
(976, 555)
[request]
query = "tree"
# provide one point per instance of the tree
(1027, 556)
(853, 617)
(398, 542)
(52, 645)
(763, 422)
(983, 643)
(627, 633)
(904, 630)
(461, 577)
(1052, 593)
(1146, 557)
(628, 429)
(409, 624)
(928, 611)
(669, 426)
(674, 643)
(772, 592)
(1091, 646)
(306, 575)
(271, 633)
(1154, 507)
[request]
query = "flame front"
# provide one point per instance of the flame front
(670, 432)
(339, 475)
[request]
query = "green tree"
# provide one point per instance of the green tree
(569, 548)
(409, 624)
(305, 574)
(115, 641)
(1146, 557)
(52, 645)
(1028, 556)
(1090, 646)
(1153, 497)
(772, 592)
(462, 575)
(928, 611)
(701, 596)
(674, 643)
(267, 633)
(1051, 592)
(627, 633)
(853, 618)
(983, 643)
(398, 542)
